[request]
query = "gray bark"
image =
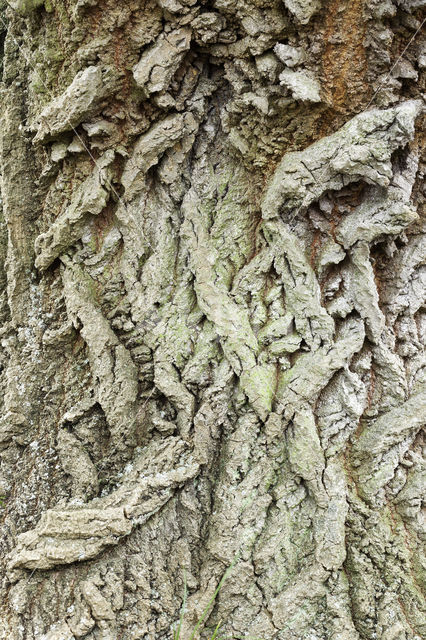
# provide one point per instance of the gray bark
(212, 319)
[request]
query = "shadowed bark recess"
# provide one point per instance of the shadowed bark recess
(212, 319)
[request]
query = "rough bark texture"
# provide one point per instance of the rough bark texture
(212, 318)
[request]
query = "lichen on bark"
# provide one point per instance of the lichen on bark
(212, 319)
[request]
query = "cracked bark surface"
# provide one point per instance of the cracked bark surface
(212, 318)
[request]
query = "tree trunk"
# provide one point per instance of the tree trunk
(212, 319)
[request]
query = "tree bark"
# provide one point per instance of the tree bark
(212, 319)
